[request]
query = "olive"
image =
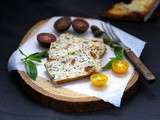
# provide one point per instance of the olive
(96, 31)
(80, 25)
(114, 45)
(62, 24)
(45, 39)
(107, 40)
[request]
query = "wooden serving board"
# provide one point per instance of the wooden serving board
(63, 99)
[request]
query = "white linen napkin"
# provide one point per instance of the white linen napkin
(117, 84)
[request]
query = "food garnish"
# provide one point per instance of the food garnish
(117, 63)
(120, 66)
(119, 55)
(31, 60)
(99, 79)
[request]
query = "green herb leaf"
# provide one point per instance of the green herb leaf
(119, 55)
(119, 52)
(22, 53)
(108, 66)
(31, 69)
(43, 54)
(30, 66)
(39, 55)
(35, 59)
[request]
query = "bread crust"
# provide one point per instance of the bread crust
(66, 80)
(129, 15)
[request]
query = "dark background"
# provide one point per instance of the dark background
(16, 17)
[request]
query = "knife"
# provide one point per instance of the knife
(109, 32)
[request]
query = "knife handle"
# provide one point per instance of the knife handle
(139, 65)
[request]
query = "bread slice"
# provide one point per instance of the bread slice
(84, 60)
(68, 44)
(68, 69)
(137, 10)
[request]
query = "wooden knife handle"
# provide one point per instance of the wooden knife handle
(139, 65)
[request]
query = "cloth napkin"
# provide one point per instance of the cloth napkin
(116, 85)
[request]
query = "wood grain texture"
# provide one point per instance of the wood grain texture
(139, 65)
(62, 99)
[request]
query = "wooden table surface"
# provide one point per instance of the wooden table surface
(18, 16)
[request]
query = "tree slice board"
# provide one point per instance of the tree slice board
(62, 99)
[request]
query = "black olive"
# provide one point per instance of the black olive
(80, 25)
(45, 39)
(62, 24)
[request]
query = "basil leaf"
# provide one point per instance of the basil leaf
(43, 54)
(22, 52)
(35, 59)
(119, 55)
(29, 65)
(39, 55)
(108, 66)
(31, 69)
(119, 52)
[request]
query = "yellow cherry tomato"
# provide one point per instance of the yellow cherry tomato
(99, 79)
(120, 66)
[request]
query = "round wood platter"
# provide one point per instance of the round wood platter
(63, 99)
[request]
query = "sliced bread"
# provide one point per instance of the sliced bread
(79, 59)
(137, 10)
